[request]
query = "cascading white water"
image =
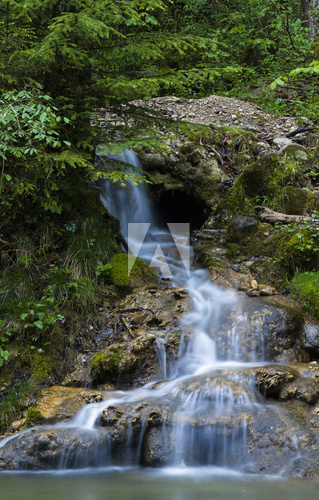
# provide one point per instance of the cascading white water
(132, 205)
(211, 442)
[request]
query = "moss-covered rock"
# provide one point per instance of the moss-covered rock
(106, 362)
(129, 364)
(305, 288)
(256, 179)
(241, 228)
(126, 278)
(271, 180)
(298, 201)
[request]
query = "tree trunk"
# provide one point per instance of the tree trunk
(310, 16)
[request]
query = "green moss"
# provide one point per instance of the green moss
(232, 250)
(256, 178)
(208, 261)
(97, 364)
(140, 275)
(109, 362)
(33, 417)
(298, 201)
(114, 359)
(43, 369)
(305, 288)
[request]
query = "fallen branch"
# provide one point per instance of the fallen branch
(300, 130)
(267, 215)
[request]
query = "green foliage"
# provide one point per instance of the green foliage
(299, 247)
(13, 403)
(37, 319)
(302, 250)
(305, 288)
(33, 417)
(311, 69)
(89, 246)
(34, 290)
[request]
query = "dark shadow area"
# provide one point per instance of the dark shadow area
(178, 206)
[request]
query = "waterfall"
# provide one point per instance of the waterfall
(211, 443)
(199, 413)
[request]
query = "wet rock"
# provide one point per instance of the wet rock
(154, 308)
(59, 404)
(131, 364)
(188, 425)
(275, 441)
(302, 389)
(252, 292)
(310, 339)
(55, 448)
(159, 451)
(229, 278)
(128, 422)
(80, 377)
(262, 328)
(212, 387)
(270, 379)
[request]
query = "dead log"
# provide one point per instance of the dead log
(267, 215)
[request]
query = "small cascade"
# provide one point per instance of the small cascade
(202, 409)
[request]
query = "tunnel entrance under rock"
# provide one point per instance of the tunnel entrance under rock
(178, 206)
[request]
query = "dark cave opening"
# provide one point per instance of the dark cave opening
(179, 206)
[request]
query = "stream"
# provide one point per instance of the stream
(197, 424)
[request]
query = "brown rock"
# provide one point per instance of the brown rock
(229, 278)
(270, 379)
(59, 404)
(266, 290)
(302, 389)
(18, 424)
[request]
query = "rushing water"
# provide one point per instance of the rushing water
(219, 402)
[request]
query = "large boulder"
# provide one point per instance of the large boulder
(48, 448)
(261, 329)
